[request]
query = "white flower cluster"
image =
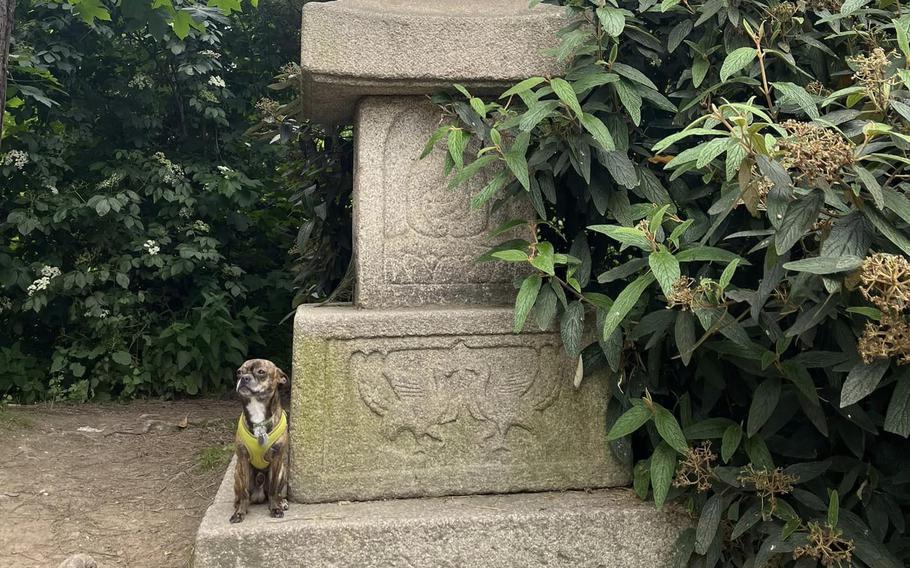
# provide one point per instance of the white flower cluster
(201, 226)
(53, 189)
(141, 81)
(111, 181)
(224, 170)
(216, 81)
(173, 170)
(102, 313)
(16, 158)
(47, 273)
(185, 212)
(5, 304)
(152, 247)
(210, 53)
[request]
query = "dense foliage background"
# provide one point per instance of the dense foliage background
(724, 184)
(148, 237)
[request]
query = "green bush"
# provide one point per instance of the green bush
(144, 236)
(724, 185)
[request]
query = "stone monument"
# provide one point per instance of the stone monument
(420, 391)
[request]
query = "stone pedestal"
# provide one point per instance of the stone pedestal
(420, 391)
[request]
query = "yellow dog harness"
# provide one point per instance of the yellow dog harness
(251, 443)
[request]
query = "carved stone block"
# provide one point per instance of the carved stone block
(415, 239)
(429, 402)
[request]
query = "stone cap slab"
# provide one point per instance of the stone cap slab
(353, 48)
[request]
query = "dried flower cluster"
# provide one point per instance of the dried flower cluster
(783, 11)
(885, 281)
(697, 468)
(755, 192)
(817, 153)
(768, 484)
(826, 546)
(832, 6)
(871, 73)
(687, 295)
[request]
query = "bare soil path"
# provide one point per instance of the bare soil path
(124, 483)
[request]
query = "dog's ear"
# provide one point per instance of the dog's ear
(282, 376)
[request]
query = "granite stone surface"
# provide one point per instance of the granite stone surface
(596, 529)
(353, 48)
(416, 240)
(439, 401)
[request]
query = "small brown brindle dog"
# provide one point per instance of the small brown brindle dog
(262, 440)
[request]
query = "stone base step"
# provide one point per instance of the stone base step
(603, 528)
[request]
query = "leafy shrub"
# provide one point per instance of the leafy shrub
(144, 237)
(724, 185)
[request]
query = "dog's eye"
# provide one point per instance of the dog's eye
(261, 371)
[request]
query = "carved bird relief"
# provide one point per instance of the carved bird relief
(422, 398)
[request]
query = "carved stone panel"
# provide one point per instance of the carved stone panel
(428, 402)
(415, 239)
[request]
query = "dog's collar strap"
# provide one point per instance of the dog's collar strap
(257, 451)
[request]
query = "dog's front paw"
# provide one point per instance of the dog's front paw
(277, 513)
(237, 518)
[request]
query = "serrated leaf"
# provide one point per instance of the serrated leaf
(437, 135)
(620, 167)
(630, 421)
(897, 420)
(737, 60)
(733, 436)
(825, 264)
(536, 113)
(599, 131)
(665, 268)
(544, 259)
(800, 215)
(708, 522)
(850, 6)
(684, 334)
(527, 295)
(510, 255)
(764, 403)
(669, 429)
(871, 184)
(862, 380)
(545, 308)
(522, 86)
(612, 20)
(457, 142)
(625, 235)
(833, 510)
(633, 75)
(571, 326)
(663, 467)
(630, 100)
(798, 96)
(624, 303)
(517, 161)
(679, 32)
(567, 95)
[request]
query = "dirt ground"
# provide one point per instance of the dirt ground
(124, 483)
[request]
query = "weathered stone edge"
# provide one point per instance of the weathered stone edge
(350, 322)
(579, 529)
